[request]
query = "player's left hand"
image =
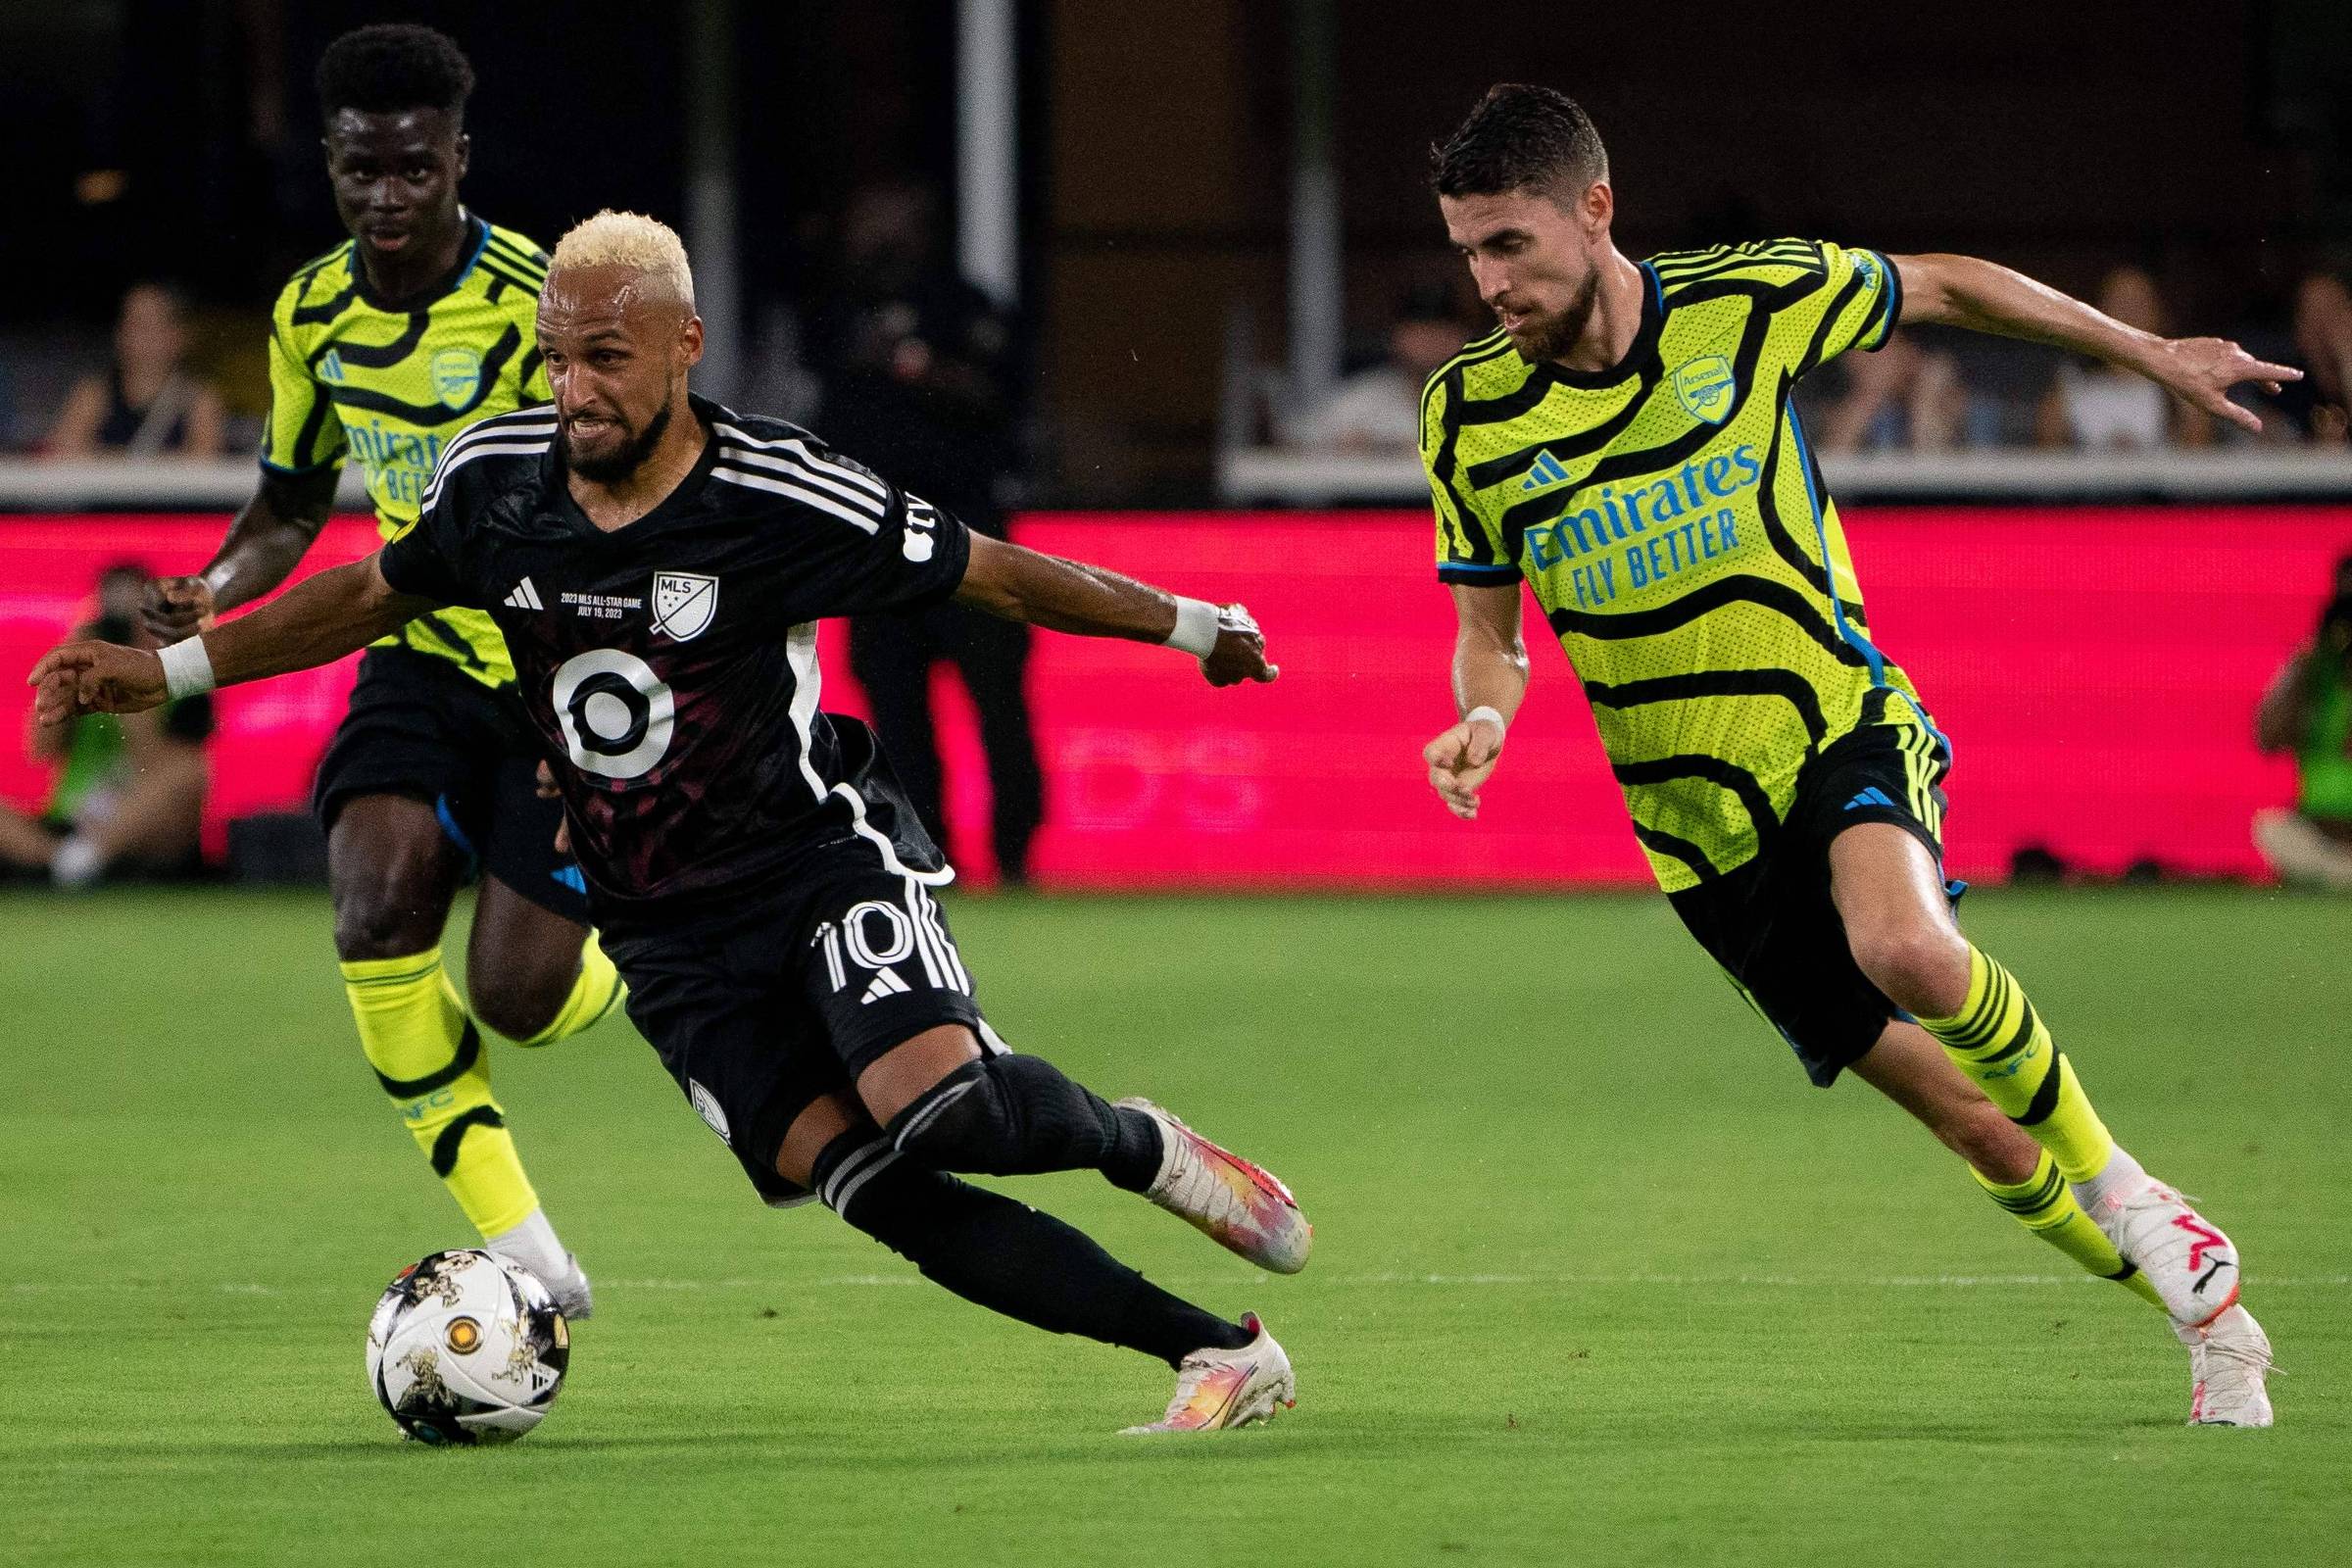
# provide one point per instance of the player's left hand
(549, 792)
(92, 677)
(2203, 369)
(1241, 651)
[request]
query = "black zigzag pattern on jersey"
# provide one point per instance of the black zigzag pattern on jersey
(1583, 443)
(1469, 543)
(528, 280)
(1783, 543)
(1542, 509)
(333, 305)
(377, 355)
(533, 358)
(1782, 683)
(1829, 321)
(1778, 597)
(306, 440)
(1753, 253)
(1660, 842)
(494, 361)
(523, 257)
(1714, 770)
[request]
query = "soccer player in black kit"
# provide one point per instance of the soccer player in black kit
(656, 564)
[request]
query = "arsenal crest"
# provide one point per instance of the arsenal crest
(684, 603)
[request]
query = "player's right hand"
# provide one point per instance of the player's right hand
(177, 607)
(1462, 760)
(92, 677)
(1241, 651)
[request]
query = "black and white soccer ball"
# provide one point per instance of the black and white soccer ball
(466, 1348)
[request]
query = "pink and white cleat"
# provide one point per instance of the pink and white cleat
(2186, 1256)
(2230, 1358)
(1220, 1389)
(1238, 1205)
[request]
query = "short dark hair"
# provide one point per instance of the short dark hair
(394, 66)
(1520, 138)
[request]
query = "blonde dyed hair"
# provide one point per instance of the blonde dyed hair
(642, 244)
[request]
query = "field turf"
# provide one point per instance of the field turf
(1597, 1278)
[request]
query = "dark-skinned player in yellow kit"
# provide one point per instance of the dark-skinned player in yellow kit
(1626, 446)
(659, 565)
(381, 352)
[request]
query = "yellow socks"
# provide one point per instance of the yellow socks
(429, 1057)
(1998, 1041)
(596, 992)
(2045, 1204)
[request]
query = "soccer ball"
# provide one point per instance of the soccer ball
(465, 1348)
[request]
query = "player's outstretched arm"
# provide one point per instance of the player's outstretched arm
(1071, 596)
(1489, 681)
(317, 621)
(264, 544)
(1984, 297)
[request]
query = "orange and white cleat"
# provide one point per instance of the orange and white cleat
(1220, 1389)
(1238, 1205)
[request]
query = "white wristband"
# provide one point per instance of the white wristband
(1490, 714)
(1196, 627)
(187, 669)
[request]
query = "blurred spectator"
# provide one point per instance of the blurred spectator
(1903, 397)
(2323, 347)
(1379, 410)
(147, 405)
(922, 378)
(2098, 407)
(2308, 711)
(129, 792)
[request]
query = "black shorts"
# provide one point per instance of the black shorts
(760, 1012)
(420, 727)
(1770, 922)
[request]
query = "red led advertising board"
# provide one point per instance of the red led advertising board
(2096, 668)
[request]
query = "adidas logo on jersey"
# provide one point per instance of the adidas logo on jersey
(886, 984)
(525, 597)
(1543, 472)
(330, 369)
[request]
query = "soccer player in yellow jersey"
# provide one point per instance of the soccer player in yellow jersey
(382, 351)
(1625, 445)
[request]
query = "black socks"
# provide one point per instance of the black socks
(1007, 1256)
(1009, 1115)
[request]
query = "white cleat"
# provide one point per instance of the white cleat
(1220, 1389)
(568, 1285)
(1238, 1205)
(2230, 1358)
(2191, 1265)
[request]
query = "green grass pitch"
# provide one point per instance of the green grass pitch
(1598, 1277)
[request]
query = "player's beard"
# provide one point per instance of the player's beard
(1548, 337)
(623, 460)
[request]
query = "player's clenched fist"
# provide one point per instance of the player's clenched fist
(1241, 651)
(1462, 760)
(94, 678)
(177, 607)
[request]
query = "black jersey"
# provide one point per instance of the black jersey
(672, 664)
